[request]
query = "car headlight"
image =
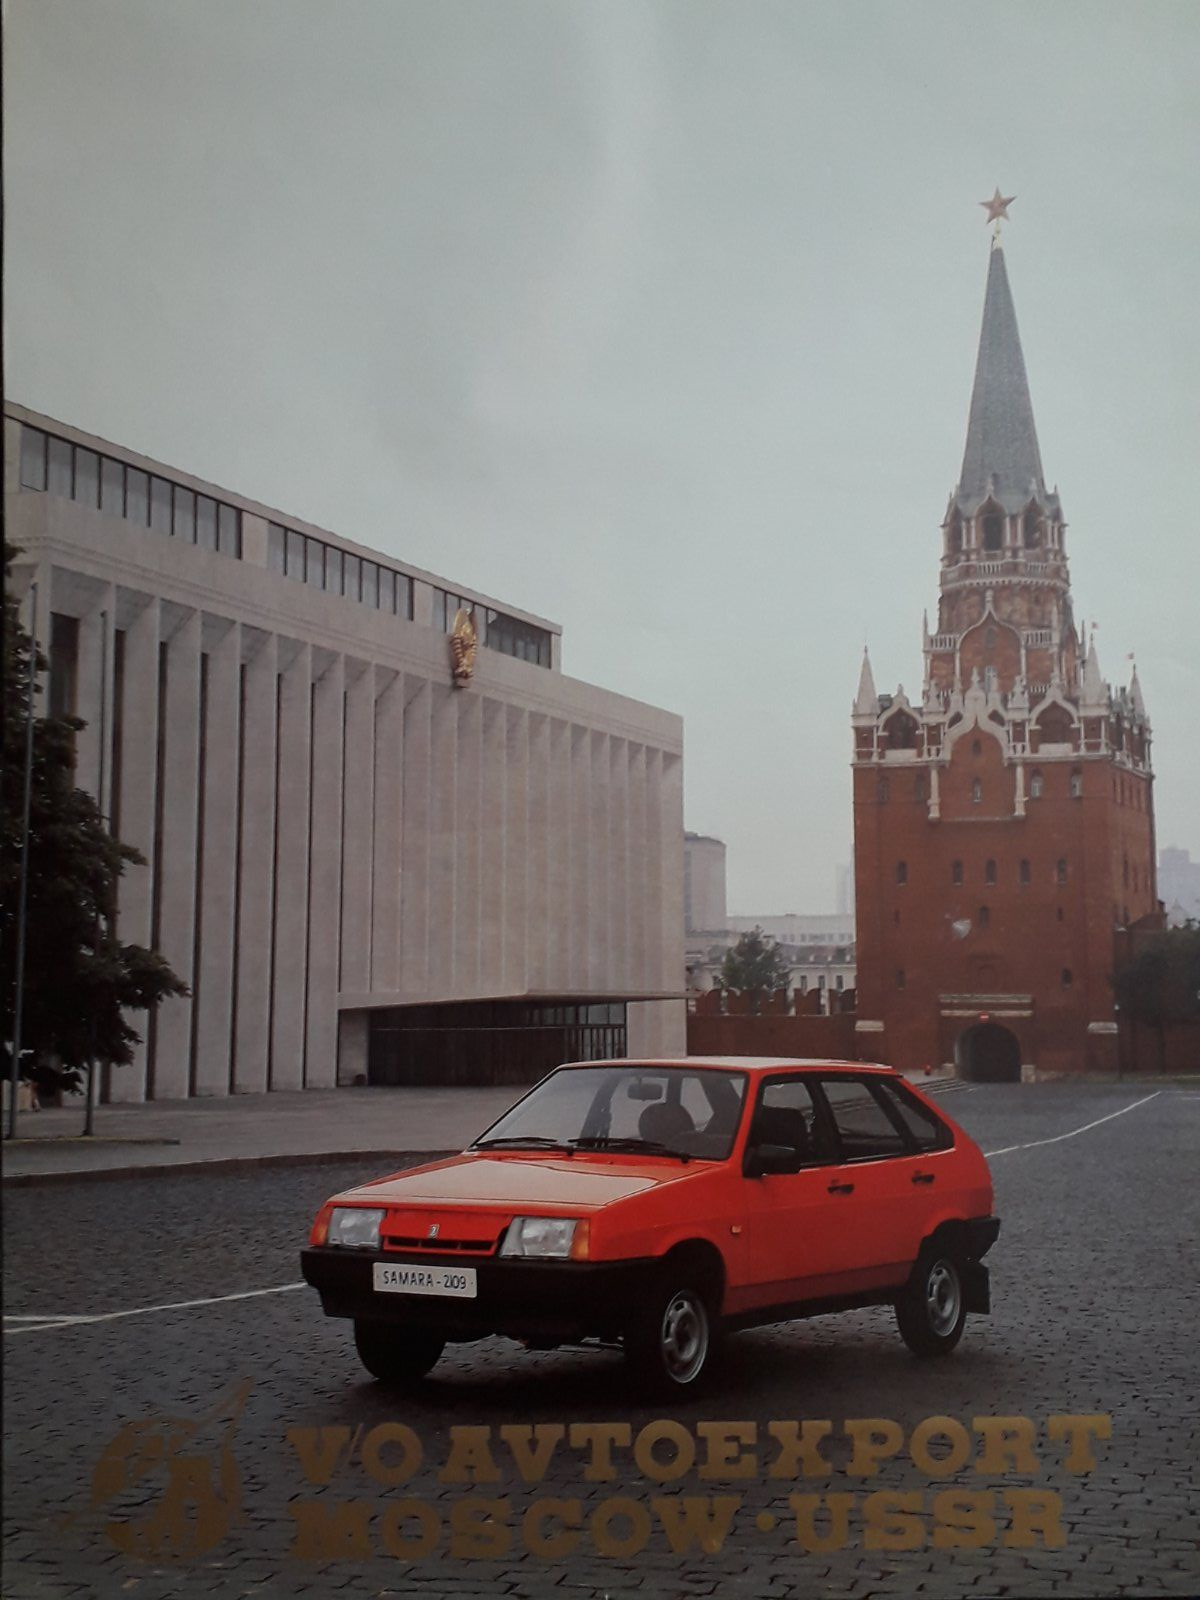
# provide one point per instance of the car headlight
(539, 1236)
(354, 1227)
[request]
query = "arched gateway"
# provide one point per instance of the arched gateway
(988, 1053)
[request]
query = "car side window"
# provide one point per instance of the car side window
(927, 1130)
(864, 1130)
(788, 1115)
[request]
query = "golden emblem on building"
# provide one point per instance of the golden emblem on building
(464, 641)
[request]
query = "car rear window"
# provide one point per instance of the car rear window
(864, 1128)
(928, 1131)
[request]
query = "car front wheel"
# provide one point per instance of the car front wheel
(396, 1355)
(668, 1343)
(932, 1310)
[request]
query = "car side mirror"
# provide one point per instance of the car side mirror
(762, 1159)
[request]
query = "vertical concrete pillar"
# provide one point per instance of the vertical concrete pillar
(491, 894)
(212, 1001)
(386, 891)
(93, 689)
(291, 872)
(139, 776)
(671, 901)
(653, 967)
(516, 851)
(325, 878)
(172, 1066)
(600, 882)
(443, 826)
(469, 946)
(619, 974)
(357, 829)
(637, 863)
(559, 856)
(581, 874)
(415, 845)
(541, 912)
(257, 863)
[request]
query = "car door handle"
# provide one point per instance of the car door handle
(841, 1188)
(924, 1177)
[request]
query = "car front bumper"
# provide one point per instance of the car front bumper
(538, 1301)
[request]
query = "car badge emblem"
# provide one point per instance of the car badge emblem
(433, 1231)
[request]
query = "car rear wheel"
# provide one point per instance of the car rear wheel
(669, 1340)
(933, 1308)
(396, 1355)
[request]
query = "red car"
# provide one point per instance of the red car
(659, 1203)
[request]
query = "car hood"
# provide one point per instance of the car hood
(575, 1183)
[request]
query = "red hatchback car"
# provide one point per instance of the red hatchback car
(660, 1203)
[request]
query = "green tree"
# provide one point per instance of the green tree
(1160, 983)
(79, 978)
(754, 965)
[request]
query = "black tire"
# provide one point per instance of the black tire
(933, 1308)
(670, 1337)
(396, 1355)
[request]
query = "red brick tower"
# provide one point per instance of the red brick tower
(1004, 826)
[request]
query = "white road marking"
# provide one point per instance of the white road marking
(143, 1311)
(12, 1317)
(1075, 1132)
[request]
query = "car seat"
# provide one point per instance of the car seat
(665, 1123)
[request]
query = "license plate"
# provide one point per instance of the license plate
(413, 1277)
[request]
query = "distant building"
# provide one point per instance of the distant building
(1004, 821)
(1178, 884)
(821, 928)
(703, 883)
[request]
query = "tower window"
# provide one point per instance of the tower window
(1032, 530)
(955, 531)
(1076, 785)
(919, 788)
(1026, 873)
(993, 532)
(989, 872)
(989, 639)
(985, 916)
(883, 791)
(976, 792)
(902, 872)
(976, 747)
(1061, 870)
(1067, 977)
(956, 872)
(901, 978)
(1037, 786)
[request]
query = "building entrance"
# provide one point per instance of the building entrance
(989, 1053)
(491, 1041)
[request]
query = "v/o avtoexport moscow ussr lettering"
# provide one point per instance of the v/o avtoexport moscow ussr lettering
(485, 1523)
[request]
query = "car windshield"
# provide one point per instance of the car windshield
(632, 1109)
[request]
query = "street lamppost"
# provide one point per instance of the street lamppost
(23, 889)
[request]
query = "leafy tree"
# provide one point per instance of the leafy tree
(79, 977)
(1160, 983)
(754, 965)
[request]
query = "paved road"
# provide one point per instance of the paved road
(1096, 1309)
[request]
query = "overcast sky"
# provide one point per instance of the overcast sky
(655, 317)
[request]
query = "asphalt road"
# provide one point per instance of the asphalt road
(246, 1426)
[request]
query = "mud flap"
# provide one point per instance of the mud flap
(976, 1288)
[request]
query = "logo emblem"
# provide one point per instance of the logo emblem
(433, 1231)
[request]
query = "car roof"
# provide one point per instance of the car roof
(739, 1063)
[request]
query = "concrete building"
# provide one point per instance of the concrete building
(1004, 821)
(361, 870)
(703, 883)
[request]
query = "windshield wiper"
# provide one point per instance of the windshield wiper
(538, 1141)
(609, 1142)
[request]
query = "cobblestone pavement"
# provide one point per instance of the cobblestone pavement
(1096, 1307)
